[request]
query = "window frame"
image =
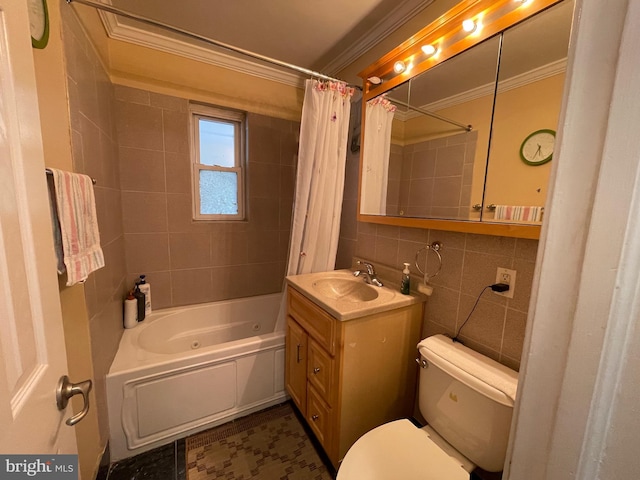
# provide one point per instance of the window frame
(238, 120)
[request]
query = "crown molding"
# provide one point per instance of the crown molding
(118, 30)
(145, 38)
(517, 81)
(385, 27)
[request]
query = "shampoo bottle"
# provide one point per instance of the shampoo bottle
(146, 289)
(130, 311)
(405, 286)
(139, 296)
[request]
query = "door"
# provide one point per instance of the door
(32, 349)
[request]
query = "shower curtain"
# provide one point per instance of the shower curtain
(320, 179)
(377, 144)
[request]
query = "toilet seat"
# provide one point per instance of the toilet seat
(399, 450)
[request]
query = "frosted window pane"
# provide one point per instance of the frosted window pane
(218, 192)
(217, 143)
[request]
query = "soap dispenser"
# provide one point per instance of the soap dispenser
(405, 286)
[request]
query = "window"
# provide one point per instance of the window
(217, 163)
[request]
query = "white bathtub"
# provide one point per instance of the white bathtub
(187, 369)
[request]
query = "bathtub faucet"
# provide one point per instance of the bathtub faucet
(369, 275)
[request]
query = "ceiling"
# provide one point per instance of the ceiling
(322, 35)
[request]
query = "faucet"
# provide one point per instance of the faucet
(369, 276)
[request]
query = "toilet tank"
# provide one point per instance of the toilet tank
(468, 399)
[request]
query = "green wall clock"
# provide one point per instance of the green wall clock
(537, 148)
(39, 23)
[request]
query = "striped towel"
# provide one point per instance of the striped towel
(519, 213)
(76, 209)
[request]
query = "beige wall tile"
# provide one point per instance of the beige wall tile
(491, 244)
(167, 102)
(479, 271)
(386, 251)
(192, 286)
(141, 170)
(144, 212)
(189, 250)
(132, 95)
(486, 323)
(178, 172)
(264, 180)
(229, 248)
(442, 308)
(147, 252)
(176, 131)
(514, 330)
(263, 246)
(139, 126)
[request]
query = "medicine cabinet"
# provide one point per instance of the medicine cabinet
(446, 113)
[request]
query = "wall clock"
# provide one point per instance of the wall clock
(39, 23)
(537, 148)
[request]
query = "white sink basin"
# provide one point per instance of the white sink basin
(346, 297)
(347, 289)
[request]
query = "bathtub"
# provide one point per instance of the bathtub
(187, 369)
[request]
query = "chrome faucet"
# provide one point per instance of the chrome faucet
(369, 275)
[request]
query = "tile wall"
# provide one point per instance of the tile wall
(432, 178)
(94, 148)
(496, 328)
(189, 261)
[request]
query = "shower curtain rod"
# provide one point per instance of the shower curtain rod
(468, 128)
(195, 36)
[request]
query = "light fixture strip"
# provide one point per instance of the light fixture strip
(449, 38)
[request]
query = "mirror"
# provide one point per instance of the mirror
(433, 168)
(530, 88)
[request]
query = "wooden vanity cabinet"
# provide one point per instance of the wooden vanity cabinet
(347, 377)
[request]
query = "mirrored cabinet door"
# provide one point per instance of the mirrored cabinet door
(530, 86)
(439, 136)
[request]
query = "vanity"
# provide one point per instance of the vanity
(350, 350)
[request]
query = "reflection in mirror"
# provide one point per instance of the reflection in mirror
(529, 95)
(436, 166)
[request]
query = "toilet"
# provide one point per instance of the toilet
(467, 400)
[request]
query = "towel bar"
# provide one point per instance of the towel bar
(93, 180)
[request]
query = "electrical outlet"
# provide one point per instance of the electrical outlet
(504, 275)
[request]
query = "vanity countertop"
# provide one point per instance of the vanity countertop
(347, 297)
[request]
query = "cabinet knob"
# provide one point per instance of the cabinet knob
(316, 370)
(314, 417)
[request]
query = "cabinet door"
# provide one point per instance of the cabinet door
(296, 364)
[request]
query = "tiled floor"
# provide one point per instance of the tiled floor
(168, 463)
(163, 463)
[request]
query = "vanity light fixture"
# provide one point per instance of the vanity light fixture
(399, 66)
(469, 25)
(375, 80)
(429, 49)
(523, 2)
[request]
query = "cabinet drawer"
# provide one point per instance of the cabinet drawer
(320, 371)
(320, 325)
(319, 418)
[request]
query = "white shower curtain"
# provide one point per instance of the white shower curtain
(320, 179)
(377, 145)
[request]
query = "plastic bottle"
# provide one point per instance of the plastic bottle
(146, 289)
(130, 311)
(405, 286)
(139, 296)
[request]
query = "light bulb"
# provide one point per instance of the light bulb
(523, 2)
(429, 49)
(469, 25)
(399, 66)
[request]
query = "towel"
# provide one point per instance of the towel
(76, 211)
(519, 213)
(483, 368)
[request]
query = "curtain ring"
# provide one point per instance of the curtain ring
(435, 248)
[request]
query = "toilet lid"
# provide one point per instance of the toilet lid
(399, 450)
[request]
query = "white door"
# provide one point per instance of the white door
(32, 349)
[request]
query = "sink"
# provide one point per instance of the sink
(346, 289)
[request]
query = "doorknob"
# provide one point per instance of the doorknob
(66, 390)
